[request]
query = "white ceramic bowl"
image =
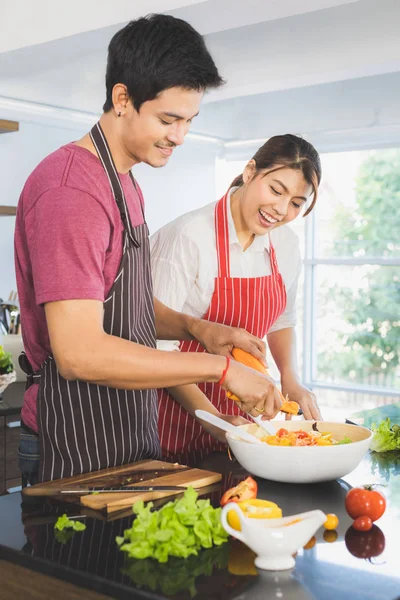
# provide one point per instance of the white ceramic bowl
(302, 464)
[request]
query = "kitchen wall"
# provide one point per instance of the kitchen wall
(187, 183)
(20, 152)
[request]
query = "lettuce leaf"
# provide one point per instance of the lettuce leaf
(385, 438)
(176, 576)
(180, 528)
(64, 522)
(65, 529)
(345, 440)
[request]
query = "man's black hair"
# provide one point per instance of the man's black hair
(155, 53)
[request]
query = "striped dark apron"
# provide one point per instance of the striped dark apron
(86, 427)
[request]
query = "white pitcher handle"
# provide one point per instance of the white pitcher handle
(237, 534)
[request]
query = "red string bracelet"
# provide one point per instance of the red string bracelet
(228, 362)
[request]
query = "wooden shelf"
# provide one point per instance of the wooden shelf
(8, 211)
(8, 126)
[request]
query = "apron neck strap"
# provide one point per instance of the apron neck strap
(104, 153)
(272, 256)
(222, 236)
(222, 240)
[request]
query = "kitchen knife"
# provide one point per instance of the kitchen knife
(86, 489)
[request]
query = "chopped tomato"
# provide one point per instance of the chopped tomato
(282, 431)
(299, 437)
(300, 434)
(304, 442)
(245, 490)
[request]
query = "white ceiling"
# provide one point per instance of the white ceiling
(54, 20)
(303, 66)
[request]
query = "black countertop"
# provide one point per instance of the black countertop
(330, 570)
(12, 399)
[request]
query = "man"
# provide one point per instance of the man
(89, 318)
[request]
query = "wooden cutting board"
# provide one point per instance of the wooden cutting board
(146, 472)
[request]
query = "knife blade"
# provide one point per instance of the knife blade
(86, 489)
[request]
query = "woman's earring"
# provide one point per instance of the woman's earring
(119, 114)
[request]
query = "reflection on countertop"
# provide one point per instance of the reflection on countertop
(345, 560)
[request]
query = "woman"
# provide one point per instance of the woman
(235, 262)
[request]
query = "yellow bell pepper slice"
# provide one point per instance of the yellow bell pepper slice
(241, 560)
(285, 442)
(254, 509)
(321, 441)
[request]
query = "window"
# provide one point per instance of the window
(352, 280)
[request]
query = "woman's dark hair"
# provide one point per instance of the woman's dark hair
(292, 152)
(155, 53)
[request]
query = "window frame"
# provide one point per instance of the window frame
(310, 263)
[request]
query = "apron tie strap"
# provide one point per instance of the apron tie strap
(31, 375)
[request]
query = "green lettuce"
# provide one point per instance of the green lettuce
(386, 437)
(345, 440)
(65, 523)
(176, 576)
(180, 528)
(65, 529)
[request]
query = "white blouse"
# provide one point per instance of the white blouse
(184, 264)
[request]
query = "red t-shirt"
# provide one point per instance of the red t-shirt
(68, 243)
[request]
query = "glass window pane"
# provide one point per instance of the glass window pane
(358, 211)
(339, 405)
(358, 325)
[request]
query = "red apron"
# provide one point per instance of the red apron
(253, 304)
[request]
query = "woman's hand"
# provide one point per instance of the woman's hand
(216, 432)
(305, 398)
(221, 339)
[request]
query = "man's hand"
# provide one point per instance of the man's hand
(221, 339)
(304, 398)
(216, 432)
(257, 392)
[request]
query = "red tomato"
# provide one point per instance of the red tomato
(365, 502)
(365, 544)
(362, 524)
(245, 490)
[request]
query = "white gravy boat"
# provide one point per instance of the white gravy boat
(274, 541)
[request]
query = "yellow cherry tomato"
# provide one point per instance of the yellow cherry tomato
(311, 543)
(331, 522)
(254, 509)
(330, 536)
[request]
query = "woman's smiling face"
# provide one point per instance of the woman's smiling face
(272, 198)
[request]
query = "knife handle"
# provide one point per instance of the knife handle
(43, 490)
(47, 490)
